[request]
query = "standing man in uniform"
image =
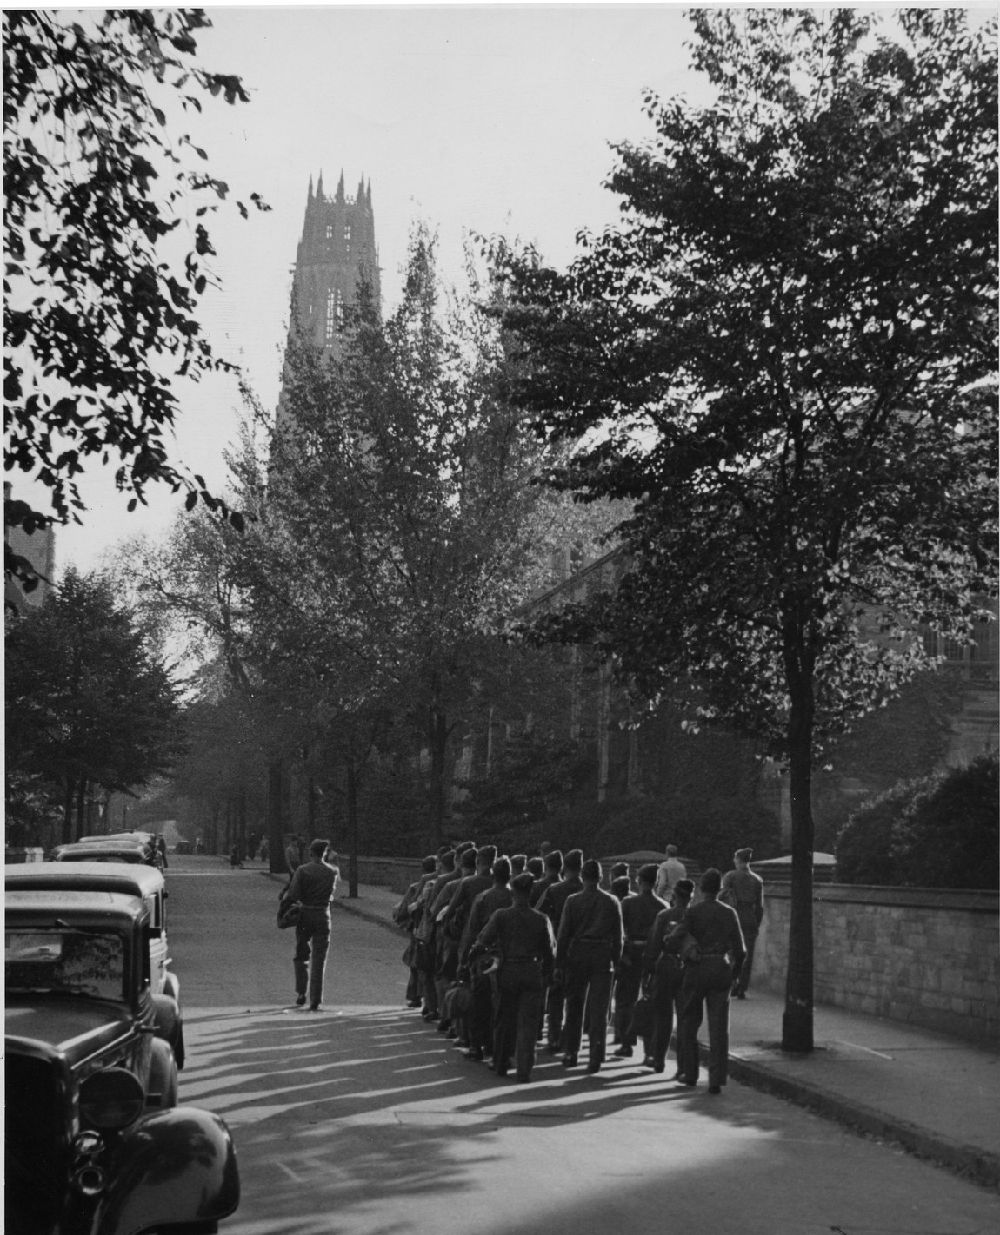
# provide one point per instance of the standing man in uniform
(527, 947)
(551, 903)
(312, 886)
(662, 961)
(743, 889)
(589, 947)
(485, 904)
(708, 980)
(639, 911)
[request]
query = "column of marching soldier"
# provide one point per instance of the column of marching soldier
(506, 954)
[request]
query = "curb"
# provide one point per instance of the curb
(975, 1165)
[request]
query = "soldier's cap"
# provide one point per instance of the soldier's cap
(648, 872)
(591, 869)
(621, 886)
(501, 870)
(684, 887)
(522, 883)
(573, 860)
(619, 868)
(468, 859)
(744, 855)
(554, 860)
(488, 855)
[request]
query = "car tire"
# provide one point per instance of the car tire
(178, 1046)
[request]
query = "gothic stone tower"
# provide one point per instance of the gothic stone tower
(337, 250)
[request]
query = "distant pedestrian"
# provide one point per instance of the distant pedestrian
(714, 931)
(669, 872)
(293, 854)
(313, 886)
(744, 891)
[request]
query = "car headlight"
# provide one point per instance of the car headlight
(111, 1099)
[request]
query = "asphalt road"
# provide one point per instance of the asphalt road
(361, 1120)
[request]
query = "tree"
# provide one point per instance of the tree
(781, 356)
(87, 701)
(394, 540)
(100, 297)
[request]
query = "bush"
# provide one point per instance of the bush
(939, 831)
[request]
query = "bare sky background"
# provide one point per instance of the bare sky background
(493, 118)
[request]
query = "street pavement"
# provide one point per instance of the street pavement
(363, 1120)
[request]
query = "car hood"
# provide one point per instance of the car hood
(74, 1027)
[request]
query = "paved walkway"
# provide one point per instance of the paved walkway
(936, 1096)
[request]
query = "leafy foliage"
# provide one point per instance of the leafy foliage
(782, 357)
(938, 831)
(101, 286)
(87, 701)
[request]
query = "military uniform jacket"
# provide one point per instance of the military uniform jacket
(483, 906)
(461, 903)
(590, 916)
(744, 891)
(638, 915)
(662, 938)
(540, 887)
(554, 898)
(522, 934)
(717, 930)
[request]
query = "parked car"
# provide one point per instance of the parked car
(133, 879)
(125, 848)
(95, 1142)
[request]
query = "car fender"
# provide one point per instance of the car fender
(176, 1167)
(166, 1016)
(171, 986)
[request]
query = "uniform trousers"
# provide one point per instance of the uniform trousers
(555, 1007)
(312, 942)
(520, 988)
(627, 985)
(743, 980)
(706, 987)
(480, 1020)
(665, 998)
(588, 981)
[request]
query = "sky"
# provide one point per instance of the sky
(487, 118)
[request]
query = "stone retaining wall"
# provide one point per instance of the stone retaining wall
(930, 957)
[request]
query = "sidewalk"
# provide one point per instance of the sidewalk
(935, 1096)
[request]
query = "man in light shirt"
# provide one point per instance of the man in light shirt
(669, 872)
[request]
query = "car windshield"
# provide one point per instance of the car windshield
(65, 961)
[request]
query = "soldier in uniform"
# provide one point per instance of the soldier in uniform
(526, 946)
(588, 948)
(498, 896)
(744, 891)
(707, 982)
(426, 931)
(406, 915)
(639, 912)
(551, 903)
(662, 964)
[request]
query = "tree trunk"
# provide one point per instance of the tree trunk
(275, 838)
(67, 829)
(81, 794)
(438, 738)
(797, 1023)
(352, 828)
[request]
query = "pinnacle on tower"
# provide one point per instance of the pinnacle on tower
(340, 186)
